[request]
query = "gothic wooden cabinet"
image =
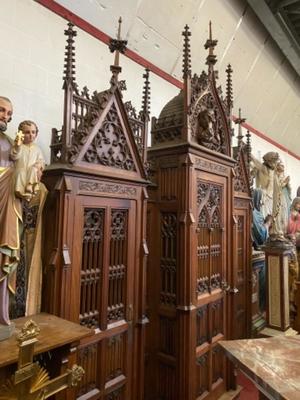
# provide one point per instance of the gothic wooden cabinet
(198, 241)
(95, 245)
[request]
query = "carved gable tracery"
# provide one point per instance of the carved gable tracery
(109, 146)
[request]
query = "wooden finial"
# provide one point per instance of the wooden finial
(69, 66)
(229, 91)
(249, 149)
(240, 121)
(118, 46)
(146, 96)
(210, 44)
(186, 67)
(145, 114)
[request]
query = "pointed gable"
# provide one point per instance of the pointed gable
(99, 133)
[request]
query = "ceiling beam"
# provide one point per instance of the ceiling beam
(285, 3)
(279, 33)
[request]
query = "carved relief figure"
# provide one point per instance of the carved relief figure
(206, 135)
(29, 161)
(10, 215)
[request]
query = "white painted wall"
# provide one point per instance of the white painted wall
(32, 53)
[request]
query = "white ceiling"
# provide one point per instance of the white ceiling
(265, 86)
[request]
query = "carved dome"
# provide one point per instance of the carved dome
(172, 113)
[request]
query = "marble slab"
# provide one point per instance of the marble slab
(273, 364)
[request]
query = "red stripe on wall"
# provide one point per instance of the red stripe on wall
(267, 139)
(103, 37)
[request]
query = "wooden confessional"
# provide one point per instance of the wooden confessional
(198, 233)
(95, 221)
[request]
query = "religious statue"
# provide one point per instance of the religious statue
(29, 161)
(285, 189)
(293, 228)
(260, 225)
(264, 178)
(206, 136)
(10, 218)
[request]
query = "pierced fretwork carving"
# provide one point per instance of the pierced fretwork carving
(117, 265)
(109, 147)
(137, 125)
(168, 263)
(91, 267)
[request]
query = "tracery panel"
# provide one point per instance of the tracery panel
(218, 361)
(202, 384)
(202, 325)
(115, 357)
(210, 236)
(168, 261)
(217, 317)
(88, 358)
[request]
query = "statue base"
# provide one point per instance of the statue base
(269, 332)
(6, 331)
(277, 271)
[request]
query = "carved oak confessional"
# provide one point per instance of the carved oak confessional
(198, 232)
(94, 222)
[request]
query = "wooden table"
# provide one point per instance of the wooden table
(56, 348)
(273, 364)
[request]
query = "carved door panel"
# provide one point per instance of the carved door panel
(239, 287)
(105, 268)
(211, 277)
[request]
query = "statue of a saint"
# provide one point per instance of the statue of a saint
(294, 221)
(10, 215)
(264, 179)
(283, 183)
(260, 225)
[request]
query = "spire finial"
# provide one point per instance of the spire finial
(229, 92)
(240, 121)
(210, 44)
(249, 149)
(69, 66)
(118, 46)
(146, 96)
(186, 67)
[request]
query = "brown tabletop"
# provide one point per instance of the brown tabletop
(273, 364)
(54, 332)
